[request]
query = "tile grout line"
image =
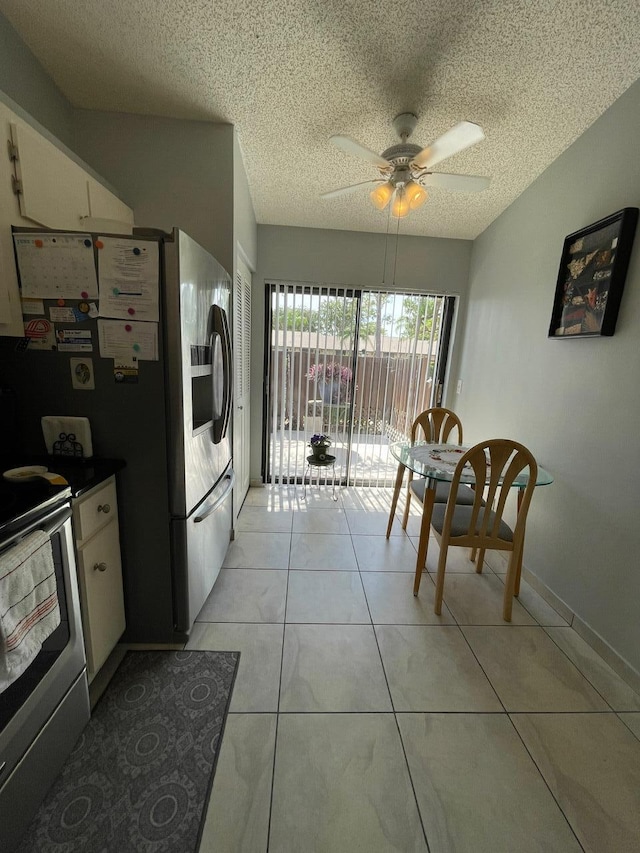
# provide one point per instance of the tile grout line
(617, 713)
(586, 677)
(395, 716)
(275, 740)
(508, 715)
(498, 697)
(542, 776)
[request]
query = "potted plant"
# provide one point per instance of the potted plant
(333, 381)
(319, 442)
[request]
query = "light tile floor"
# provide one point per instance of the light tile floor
(361, 721)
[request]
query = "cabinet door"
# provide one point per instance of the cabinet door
(56, 193)
(100, 573)
(103, 204)
(54, 187)
(10, 308)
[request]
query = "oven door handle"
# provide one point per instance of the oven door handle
(49, 524)
(54, 520)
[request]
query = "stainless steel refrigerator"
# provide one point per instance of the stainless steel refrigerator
(198, 363)
(172, 428)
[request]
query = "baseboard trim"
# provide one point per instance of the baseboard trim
(550, 597)
(609, 655)
(616, 662)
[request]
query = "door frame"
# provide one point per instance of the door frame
(441, 368)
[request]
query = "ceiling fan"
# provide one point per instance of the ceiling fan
(405, 168)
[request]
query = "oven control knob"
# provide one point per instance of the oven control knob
(100, 567)
(104, 508)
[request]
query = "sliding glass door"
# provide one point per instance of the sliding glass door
(356, 365)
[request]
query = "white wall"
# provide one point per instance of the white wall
(351, 258)
(575, 403)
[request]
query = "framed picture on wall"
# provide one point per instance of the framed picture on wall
(591, 277)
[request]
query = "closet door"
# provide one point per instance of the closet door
(242, 390)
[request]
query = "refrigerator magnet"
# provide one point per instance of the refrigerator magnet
(62, 315)
(33, 307)
(40, 334)
(82, 378)
(74, 340)
(81, 312)
(125, 369)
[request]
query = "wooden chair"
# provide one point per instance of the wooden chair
(437, 425)
(497, 463)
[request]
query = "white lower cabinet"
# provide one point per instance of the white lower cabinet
(95, 521)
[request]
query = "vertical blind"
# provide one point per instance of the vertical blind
(357, 365)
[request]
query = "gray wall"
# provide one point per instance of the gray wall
(127, 422)
(351, 258)
(173, 172)
(27, 89)
(575, 403)
(26, 82)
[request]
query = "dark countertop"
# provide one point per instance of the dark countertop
(81, 474)
(85, 474)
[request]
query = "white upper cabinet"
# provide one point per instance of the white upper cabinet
(53, 192)
(54, 188)
(10, 312)
(106, 211)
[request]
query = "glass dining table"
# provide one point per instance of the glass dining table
(437, 462)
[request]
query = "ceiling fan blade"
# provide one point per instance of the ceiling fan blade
(461, 136)
(350, 146)
(458, 183)
(347, 190)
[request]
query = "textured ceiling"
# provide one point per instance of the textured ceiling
(290, 73)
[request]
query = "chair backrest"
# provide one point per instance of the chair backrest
(437, 424)
(495, 463)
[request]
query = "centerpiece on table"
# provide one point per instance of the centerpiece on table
(319, 443)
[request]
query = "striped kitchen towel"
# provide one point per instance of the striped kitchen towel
(29, 610)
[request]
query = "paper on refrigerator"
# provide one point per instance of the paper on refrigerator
(56, 265)
(128, 274)
(117, 337)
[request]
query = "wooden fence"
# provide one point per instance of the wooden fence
(389, 391)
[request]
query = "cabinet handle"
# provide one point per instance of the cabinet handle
(105, 508)
(100, 567)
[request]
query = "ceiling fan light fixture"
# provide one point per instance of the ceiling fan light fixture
(405, 168)
(381, 196)
(400, 206)
(416, 195)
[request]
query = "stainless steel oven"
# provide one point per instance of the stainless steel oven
(43, 712)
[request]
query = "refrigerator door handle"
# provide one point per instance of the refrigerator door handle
(228, 371)
(217, 376)
(223, 370)
(231, 477)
